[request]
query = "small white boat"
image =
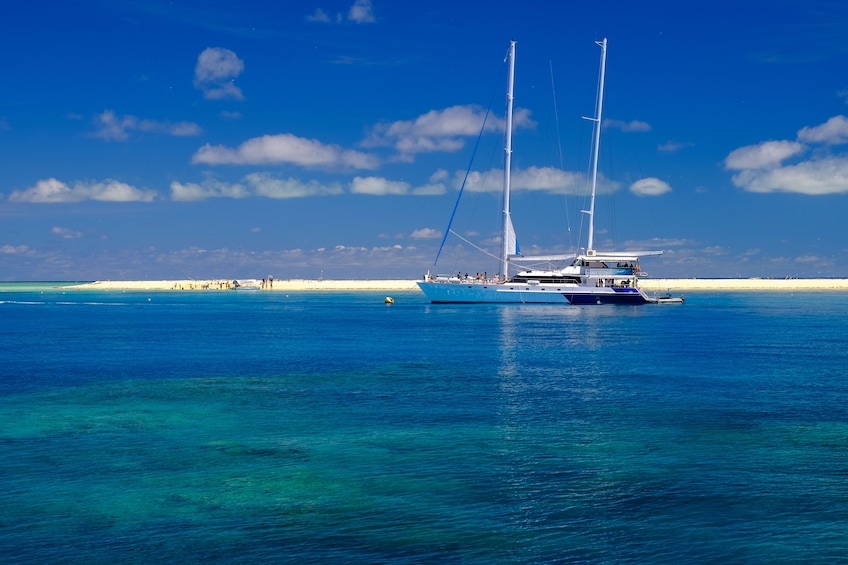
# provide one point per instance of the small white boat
(667, 298)
(245, 284)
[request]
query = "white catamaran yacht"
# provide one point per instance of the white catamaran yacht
(593, 277)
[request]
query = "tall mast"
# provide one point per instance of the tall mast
(597, 136)
(508, 232)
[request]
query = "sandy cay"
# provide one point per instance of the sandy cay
(289, 285)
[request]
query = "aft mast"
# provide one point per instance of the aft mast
(509, 246)
(597, 119)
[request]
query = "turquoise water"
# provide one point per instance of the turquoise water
(258, 426)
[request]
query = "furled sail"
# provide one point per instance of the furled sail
(511, 247)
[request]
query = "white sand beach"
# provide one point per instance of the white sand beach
(277, 285)
(742, 284)
(294, 285)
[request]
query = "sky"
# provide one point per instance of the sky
(210, 139)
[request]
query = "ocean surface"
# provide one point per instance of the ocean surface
(248, 427)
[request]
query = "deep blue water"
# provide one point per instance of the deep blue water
(257, 426)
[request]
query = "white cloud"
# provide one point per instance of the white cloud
(352, 259)
(631, 126)
(435, 186)
(378, 186)
(766, 154)
(477, 181)
(51, 191)
(217, 64)
(265, 185)
(547, 179)
(441, 130)
(673, 146)
(815, 177)
(658, 243)
(832, 132)
(426, 233)
(440, 175)
(15, 250)
(225, 91)
(432, 189)
(649, 187)
(361, 12)
(112, 127)
(761, 168)
(319, 15)
(254, 184)
(209, 188)
(181, 129)
(284, 148)
(66, 233)
(215, 72)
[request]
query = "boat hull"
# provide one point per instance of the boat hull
(618, 296)
(459, 293)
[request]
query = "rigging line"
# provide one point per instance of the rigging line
(478, 248)
(464, 180)
(407, 292)
(559, 150)
(587, 181)
(611, 199)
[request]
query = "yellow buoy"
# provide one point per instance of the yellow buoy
(390, 300)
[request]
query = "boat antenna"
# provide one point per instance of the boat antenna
(597, 142)
(509, 245)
